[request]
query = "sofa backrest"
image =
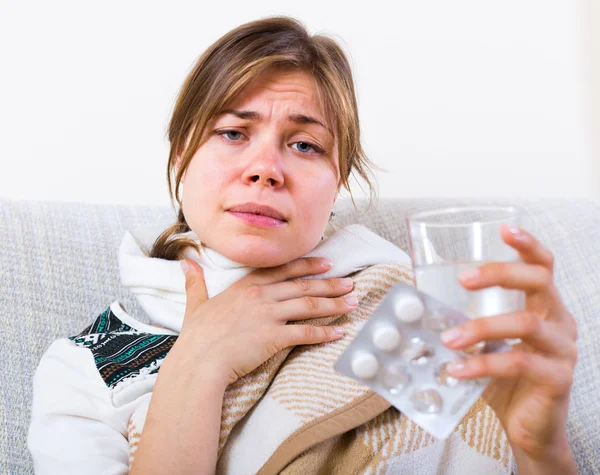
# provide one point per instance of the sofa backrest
(59, 270)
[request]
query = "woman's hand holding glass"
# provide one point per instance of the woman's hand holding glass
(532, 381)
(245, 325)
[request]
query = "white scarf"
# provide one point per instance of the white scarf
(159, 284)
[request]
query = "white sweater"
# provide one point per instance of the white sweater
(87, 387)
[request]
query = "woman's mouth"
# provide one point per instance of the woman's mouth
(258, 220)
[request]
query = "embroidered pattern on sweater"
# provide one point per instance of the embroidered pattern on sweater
(120, 351)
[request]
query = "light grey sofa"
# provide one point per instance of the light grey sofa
(59, 270)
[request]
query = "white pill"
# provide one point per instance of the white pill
(409, 308)
(386, 338)
(364, 364)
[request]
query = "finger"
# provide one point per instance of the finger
(546, 336)
(311, 307)
(300, 287)
(554, 374)
(531, 278)
(530, 249)
(297, 268)
(291, 335)
(195, 287)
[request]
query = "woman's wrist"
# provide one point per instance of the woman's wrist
(557, 458)
(181, 429)
(190, 366)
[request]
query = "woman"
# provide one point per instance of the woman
(264, 133)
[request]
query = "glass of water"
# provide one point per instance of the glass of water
(446, 241)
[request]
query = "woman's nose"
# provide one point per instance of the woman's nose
(265, 167)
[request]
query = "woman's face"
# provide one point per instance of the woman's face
(274, 157)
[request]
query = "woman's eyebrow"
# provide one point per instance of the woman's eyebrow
(253, 115)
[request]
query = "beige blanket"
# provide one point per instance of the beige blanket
(295, 414)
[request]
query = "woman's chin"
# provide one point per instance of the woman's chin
(260, 252)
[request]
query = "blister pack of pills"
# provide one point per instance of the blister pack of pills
(399, 355)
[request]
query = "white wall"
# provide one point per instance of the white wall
(461, 98)
(591, 47)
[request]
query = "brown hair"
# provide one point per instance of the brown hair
(221, 73)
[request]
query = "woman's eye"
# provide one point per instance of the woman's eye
(226, 132)
(304, 145)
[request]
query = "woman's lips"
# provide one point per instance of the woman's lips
(258, 220)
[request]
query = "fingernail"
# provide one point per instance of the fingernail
(456, 368)
(326, 262)
(352, 301)
(517, 233)
(451, 336)
(339, 331)
(469, 275)
(346, 282)
(184, 266)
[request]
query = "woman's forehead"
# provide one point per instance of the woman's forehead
(295, 91)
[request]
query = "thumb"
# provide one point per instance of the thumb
(195, 286)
